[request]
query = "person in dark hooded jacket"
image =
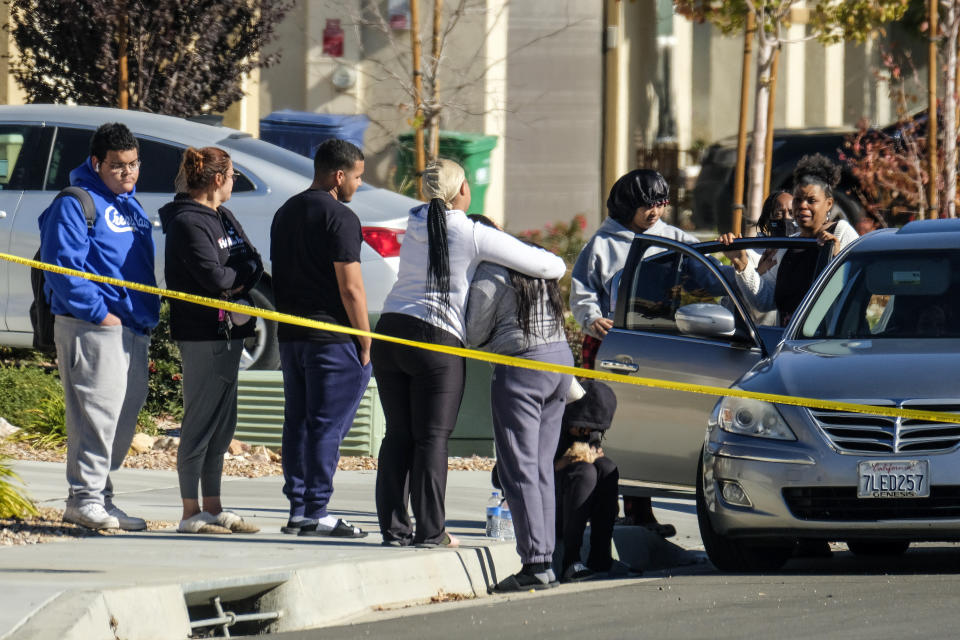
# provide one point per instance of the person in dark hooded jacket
(207, 254)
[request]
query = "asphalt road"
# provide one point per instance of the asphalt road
(845, 596)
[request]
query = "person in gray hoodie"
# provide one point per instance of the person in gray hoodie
(516, 315)
(636, 204)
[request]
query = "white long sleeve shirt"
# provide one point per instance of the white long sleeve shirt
(468, 244)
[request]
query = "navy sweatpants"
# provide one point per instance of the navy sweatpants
(323, 384)
(527, 410)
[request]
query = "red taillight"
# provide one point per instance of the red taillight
(384, 241)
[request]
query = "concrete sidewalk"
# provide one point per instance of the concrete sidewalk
(152, 584)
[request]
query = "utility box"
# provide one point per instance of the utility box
(303, 131)
(469, 150)
(260, 415)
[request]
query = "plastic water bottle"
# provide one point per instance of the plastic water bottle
(506, 522)
(493, 515)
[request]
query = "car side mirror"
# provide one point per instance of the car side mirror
(706, 320)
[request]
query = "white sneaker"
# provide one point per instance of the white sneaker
(91, 515)
(127, 523)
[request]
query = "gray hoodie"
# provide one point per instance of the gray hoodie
(603, 257)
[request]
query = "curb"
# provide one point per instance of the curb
(305, 598)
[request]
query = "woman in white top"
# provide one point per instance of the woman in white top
(421, 390)
(782, 280)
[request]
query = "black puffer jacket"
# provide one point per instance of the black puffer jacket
(203, 257)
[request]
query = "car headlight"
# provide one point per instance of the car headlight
(756, 418)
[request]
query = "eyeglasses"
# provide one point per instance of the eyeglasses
(233, 176)
(120, 168)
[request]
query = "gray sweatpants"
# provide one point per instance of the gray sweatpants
(527, 409)
(209, 413)
(104, 375)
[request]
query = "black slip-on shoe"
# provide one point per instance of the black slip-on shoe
(342, 529)
(524, 582)
(293, 528)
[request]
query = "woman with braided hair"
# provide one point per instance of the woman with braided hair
(786, 282)
(421, 390)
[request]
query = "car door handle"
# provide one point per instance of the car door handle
(614, 365)
(3, 214)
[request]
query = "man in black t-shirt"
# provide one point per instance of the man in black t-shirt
(315, 250)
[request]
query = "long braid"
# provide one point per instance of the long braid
(438, 268)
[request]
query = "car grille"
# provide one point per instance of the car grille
(865, 433)
(842, 504)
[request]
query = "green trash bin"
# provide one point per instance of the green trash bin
(470, 150)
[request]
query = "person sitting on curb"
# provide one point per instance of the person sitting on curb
(587, 482)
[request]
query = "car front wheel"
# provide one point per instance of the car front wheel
(728, 554)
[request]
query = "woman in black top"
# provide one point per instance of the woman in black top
(207, 254)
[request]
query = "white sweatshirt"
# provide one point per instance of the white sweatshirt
(469, 244)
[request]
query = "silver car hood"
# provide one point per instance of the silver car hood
(860, 369)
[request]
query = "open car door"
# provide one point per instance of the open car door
(681, 316)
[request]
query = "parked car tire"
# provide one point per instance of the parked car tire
(878, 547)
(729, 554)
(262, 351)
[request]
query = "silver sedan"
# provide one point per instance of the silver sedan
(880, 326)
(41, 144)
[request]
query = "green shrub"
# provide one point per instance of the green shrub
(13, 503)
(165, 397)
(23, 389)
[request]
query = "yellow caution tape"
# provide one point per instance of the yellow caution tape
(495, 358)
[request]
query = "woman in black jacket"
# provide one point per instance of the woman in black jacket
(208, 254)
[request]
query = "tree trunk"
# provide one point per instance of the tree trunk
(123, 74)
(932, 159)
(433, 122)
(771, 112)
(750, 29)
(951, 23)
(418, 157)
(758, 143)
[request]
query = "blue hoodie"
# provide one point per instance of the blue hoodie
(119, 245)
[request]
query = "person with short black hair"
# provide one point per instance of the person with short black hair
(636, 205)
(207, 254)
(315, 244)
(102, 331)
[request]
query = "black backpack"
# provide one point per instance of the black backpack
(40, 315)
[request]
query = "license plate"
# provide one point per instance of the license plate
(894, 479)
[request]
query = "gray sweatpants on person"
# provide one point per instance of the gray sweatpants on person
(210, 370)
(103, 371)
(527, 409)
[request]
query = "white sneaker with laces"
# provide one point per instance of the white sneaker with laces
(127, 523)
(92, 516)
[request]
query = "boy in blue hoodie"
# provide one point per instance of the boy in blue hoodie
(101, 331)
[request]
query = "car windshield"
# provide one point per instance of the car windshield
(270, 153)
(889, 295)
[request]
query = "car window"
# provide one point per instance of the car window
(159, 165)
(666, 281)
(884, 295)
(70, 149)
(23, 156)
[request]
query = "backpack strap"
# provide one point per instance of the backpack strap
(86, 202)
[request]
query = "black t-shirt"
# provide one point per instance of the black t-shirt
(798, 270)
(310, 232)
